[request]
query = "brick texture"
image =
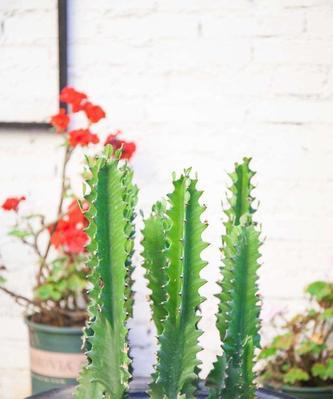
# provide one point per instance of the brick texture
(199, 83)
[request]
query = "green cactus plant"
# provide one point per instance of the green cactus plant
(238, 316)
(111, 200)
(176, 370)
(155, 262)
(172, 247)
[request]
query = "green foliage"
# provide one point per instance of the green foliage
(284, 341)
(302, 354)
(323, 370)
(66, 278)
(177, 368)
(322, 292)
(19, 233)
(111, 231)
(238, 317)
(295, 374)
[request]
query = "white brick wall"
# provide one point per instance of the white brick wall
(199, 83)
(28, 60)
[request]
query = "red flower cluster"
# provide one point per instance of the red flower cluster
(78, 102)
(82, 137)
(60, 121)
(73, 97)
(68, 232)
(128, 147)
(12, 203)
(94, 113)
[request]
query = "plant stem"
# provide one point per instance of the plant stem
(17, 297)
(43, 262)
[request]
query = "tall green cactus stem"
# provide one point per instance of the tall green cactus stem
(177, 367)
(238, 297)
(111, 212)
(241, 199)
(243, 325)
(155, 262)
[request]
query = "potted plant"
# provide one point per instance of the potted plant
(172, 247)
(300, 359)
(57, 312)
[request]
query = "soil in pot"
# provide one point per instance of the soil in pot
(55, 355)
(66, 393)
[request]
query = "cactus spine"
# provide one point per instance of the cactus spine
(238, 317)
(111, 200)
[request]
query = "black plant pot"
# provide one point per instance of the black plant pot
(66, 393)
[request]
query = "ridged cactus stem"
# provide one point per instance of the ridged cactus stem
(177, 367)
(155, 262)
(238, 315)
(111, 212)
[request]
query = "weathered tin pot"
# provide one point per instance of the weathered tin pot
(55, 355)
(66, 393)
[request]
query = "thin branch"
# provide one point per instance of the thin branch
(43, 262)
(17, 297)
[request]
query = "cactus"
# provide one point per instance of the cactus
(111, 212)
(172, 247)
(238, 317)
(155, 262)
(177, 369)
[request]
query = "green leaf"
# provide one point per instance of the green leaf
(319, 370)
(109, 231)
(177, 368)
(76, 283)
(58, 270)
(19, 233)
(283, 342)
(309, 346)
(294, 375)
(2, 280)
(267, 352)
(155, 262)
(46, 292)
(323, 370)
(320, 290)
(329, 369)
(327, 314)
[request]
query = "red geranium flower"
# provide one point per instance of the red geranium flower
(73, 97)
(75, 213)
(60, 121)
(94, 112)
(12, 203)
(128, 147)
(70, 237)
(68, 232)
(82, 137)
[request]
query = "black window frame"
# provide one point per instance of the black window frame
(62, 68)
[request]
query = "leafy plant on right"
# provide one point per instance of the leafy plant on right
(302, 354)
